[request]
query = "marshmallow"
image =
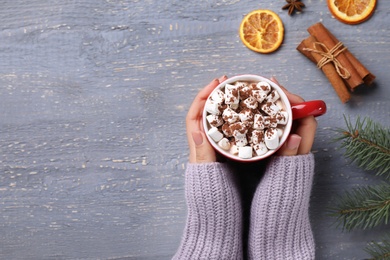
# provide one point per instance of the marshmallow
(260, 148)
(234, 106)
(257, 136)
(212, 107)
(270, 121)
(271, 138)
(245, 152)
(281, 117)
(232, 95)
(241, 140)
(224, 144)
(215, 134)
(270, 108)
(264, 86)
(250, 102)
(241, 84)
(259, 95)
(218, 96)
(238, 128)
(280, 132)
(214, 120)
(233, 149)
(245, 91)
(258, 122)
(266, 121)
(230, 116)
(226, 130)
(246, 115)
(273, 96)
(280, 104)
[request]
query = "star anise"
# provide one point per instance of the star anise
(293, 5)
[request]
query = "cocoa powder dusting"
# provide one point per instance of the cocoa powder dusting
(260, 135)
(270, 132)
(227, 130)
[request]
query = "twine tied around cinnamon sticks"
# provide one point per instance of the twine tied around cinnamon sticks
(331, 56)
(343, 70)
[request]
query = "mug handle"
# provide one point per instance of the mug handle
(308, 108)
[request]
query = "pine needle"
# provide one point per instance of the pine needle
(364, 207)
(379, 250)
(367, 144)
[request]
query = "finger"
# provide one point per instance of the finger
(197, 105)
(307, 129)
(291, 146)
(222, 79)
(194, 115)
(275, 80)
(293, 98)
(194, 127)
(203, 150)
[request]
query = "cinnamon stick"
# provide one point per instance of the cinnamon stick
(322, 35)
(363, 72)
(301, 48)
(328, 69)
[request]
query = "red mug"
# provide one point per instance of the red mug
(294, 111)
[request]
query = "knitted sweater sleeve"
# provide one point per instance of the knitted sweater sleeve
(279, 225)
(213, 227)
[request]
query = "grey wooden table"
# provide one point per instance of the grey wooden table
(93, 96)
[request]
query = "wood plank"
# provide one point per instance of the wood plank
(93, 100)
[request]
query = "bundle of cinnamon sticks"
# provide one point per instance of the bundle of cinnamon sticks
(343, 70)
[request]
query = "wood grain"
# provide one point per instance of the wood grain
(93, 96)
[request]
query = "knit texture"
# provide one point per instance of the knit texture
(279, 224)
(213, 228)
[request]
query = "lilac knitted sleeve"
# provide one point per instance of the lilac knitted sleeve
(279, 225)
(213, 229)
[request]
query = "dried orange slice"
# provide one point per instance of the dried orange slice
(262, 31)
(352, 11)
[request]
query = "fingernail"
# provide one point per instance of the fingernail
(223, 78)
(197, 137)
(293, 142)
(274, 80)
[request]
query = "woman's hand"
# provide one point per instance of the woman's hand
(200, 149)
(299, 141)
(301, 138)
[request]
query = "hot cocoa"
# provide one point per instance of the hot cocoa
(245, 118)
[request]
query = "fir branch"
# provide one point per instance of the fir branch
(379, 250)
(364, 207)
(368, 144)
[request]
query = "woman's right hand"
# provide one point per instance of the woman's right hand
(201, 150)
